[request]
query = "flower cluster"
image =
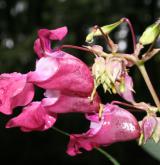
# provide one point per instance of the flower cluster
(70, 87)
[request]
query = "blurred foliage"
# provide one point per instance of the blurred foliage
(20, 20)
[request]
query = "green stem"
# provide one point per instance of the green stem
(60, 131)
(149, 84)
(115, 162)
(108, 156)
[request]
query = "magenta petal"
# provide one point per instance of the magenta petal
(25, 97)
(65, 74)
(58, 102)
(116, 125)
(32, 118)
(42, 45)
(58, 34)
(38, 48)
(128, 91)
(14, 91)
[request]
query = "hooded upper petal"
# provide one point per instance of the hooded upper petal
(14, 91)
(116, 125)
(42, 45)
(33, 118)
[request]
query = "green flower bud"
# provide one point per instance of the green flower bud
(106, 29)
(150, 34)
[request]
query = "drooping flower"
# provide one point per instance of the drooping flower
(14, 91)
(59, 102)
(57, 69)
(116, 125)
(34, 117)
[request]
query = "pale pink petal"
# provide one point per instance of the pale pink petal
(116, 125)
(128, 89)
(46, 68)
(14, 91)
(33, 118)
(148, 126)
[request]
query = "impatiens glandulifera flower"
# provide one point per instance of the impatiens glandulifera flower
(59, 102)
(59, 70)
(14, 91)
(116, 125)
(34, 117)
(112, 74)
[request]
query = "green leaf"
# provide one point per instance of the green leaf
(153, 149)
(106, 29)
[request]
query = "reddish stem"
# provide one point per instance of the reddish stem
(128, 105)
(132, 31)
(75, 47)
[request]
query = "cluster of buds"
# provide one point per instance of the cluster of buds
(71, 87)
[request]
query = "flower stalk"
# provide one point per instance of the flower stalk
(149, 84)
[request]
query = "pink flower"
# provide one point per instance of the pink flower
(116, 125)
(59, 102)
(59, 70)
(14, 91)
(33, 118)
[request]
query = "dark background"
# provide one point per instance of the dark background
(19, 22)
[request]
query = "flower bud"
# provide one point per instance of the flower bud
(150, 34)
(106, 29)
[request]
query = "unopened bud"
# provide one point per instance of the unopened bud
(150, 34)
(106, 30)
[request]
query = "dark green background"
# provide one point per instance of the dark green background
(19, 22)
